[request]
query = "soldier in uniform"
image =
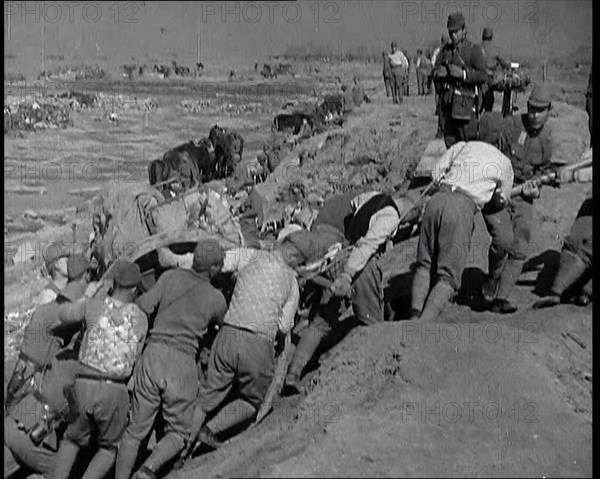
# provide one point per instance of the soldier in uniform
(387, 73)
(37, 414)
(437, 87)
(527, 141)
(398, 71)
(365, 221)
(166, 379)
(575, 264)
(460, 72)
(470, 175)
(112, 341)
(493, 60)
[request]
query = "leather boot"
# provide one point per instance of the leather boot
(419, 291)
(309, 342)
(233, 414)
(508, 279)
(126, 457)
(438, 298)
(570, 269)
(166, 449)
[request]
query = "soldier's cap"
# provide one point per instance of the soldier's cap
(73, 290)
(394, 44)
(126, 274)
(488, 33)
(207, 253)
(540, 96)
(456, 21)
(76, 266)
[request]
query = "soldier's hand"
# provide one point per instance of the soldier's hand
(342, 287)
(531, 189)
(565, 175)
(455, 71)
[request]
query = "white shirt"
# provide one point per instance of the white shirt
(398, 59)
(382, 226)
(477, 169)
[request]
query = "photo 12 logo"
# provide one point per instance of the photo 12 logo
(255, 12)
(55, 12)
(472, 10)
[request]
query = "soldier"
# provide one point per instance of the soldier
(575, 264)
(113, 339)
(36, 414)
(438, 89)
(493, 60)
(166, 379)
(527, 141)
(398, 71)
(470, 175)
(387, 73)
(242, 357)
(423, 66)
(366, 222)
(460, 71)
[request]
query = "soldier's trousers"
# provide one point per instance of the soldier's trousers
(166, 379)
(445, 236)
(421, 82)
(579, 240)
(510, 229)
(241, 359)
(397, 78)
(367, 300)
(387, 81)
(40, 459)
(456, 130)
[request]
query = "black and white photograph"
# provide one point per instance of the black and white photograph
(312, 238)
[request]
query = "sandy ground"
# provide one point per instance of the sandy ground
(473, 394)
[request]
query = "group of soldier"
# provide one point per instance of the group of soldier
(103, 371)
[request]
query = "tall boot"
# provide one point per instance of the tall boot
(309, 342)
(508, 279)
(570, 269)
(438, 298)
(166, 449)
(419, 291)
(126, 457)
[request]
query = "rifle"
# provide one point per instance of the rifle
(552, 177)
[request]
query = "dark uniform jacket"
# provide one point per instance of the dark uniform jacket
(468, 56)
(530, 154)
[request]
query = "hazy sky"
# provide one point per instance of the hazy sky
(243, 32)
